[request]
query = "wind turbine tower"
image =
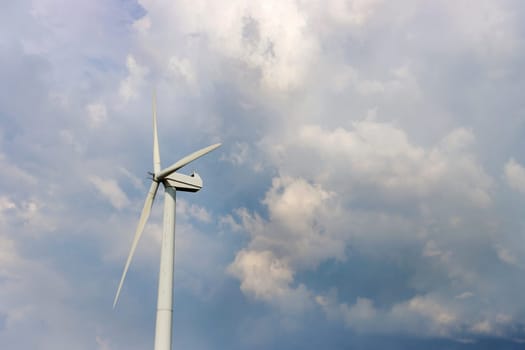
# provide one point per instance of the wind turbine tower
(172, 182)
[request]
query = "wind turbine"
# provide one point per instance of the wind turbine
(172, 182)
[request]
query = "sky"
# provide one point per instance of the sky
(368, 192)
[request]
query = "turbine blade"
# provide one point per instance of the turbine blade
(184, 161)
(156, 152)
(140, 227)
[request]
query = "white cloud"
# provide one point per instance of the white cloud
(380, 155)
(295, 203)
(431, 309)
(33, 213)
(137, 183)
(352, 13)
(229, 222)
(262, 274)
(350, 77)
(243, 154)
(296, 229)
(483, 327)
(97, 114)
(130, 86)
(271, 38)
(193, 211)
(6, 203)
(515, 175)
(422, 315)
(110, 189)
(239, 154)
(268, 278)
(8, 256)
(12, 173)
(489, 28)
(419, 315)
(183, 68)
(458, 140)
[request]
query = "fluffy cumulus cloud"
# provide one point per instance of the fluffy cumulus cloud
(265, 277)
(355, 191)
(380, 155)
(272, 39)
(369, 186)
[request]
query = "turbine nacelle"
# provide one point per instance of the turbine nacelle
(181, 182)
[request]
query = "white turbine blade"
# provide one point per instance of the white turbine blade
(184, 161)
(156, 152)
(140, 227)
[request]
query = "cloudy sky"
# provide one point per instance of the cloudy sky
(368, 193)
